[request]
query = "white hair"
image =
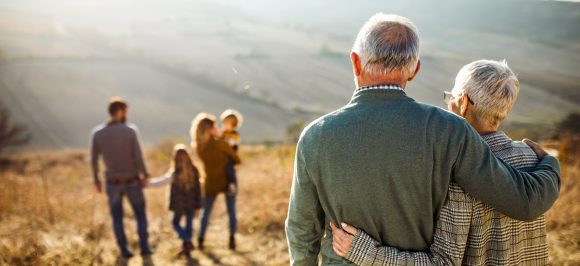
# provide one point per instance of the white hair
(388, 43)
(491, 85)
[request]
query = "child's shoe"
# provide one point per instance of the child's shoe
(200, 243)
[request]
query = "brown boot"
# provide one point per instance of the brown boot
(184, 250)
(232, 243)
(200, 243)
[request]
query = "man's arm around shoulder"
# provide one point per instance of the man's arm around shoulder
(519, 195)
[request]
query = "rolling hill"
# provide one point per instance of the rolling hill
(275, 61)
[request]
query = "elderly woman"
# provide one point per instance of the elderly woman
(468, 231)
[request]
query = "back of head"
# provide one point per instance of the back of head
(200, 131)
(232, 116)
(117, 108)
(388, 43)
(117, 104)
(491, 85)
(184, 172)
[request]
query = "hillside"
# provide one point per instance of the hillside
(277, 63)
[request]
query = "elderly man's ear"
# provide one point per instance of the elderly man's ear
(356, 64)
(417, 69)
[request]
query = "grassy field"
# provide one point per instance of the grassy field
(51, 215)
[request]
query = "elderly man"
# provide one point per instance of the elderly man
(469, 232)
(384, 162)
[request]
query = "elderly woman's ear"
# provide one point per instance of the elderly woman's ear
(464, 105)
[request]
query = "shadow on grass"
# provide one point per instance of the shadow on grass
(244, 255)
(148, 261)
(121, 261)
(216, 260)
(192, 261)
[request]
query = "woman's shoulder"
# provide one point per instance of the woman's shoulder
(221, 143)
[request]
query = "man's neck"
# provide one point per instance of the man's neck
(114, 122)
(388, 80)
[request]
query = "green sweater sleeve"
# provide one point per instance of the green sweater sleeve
(305, 221)
(519, 195)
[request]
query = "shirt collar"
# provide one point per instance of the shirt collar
(496, 139)
(379, 87)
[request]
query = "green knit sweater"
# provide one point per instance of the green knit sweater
(384, 162)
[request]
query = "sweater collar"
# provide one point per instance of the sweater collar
(386, 91)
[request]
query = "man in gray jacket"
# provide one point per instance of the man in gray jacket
(126, 174)
(384, 162)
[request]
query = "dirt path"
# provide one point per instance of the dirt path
(252, 249)
(215, 253)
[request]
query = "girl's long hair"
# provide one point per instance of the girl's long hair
(201, 130)
(182, 168)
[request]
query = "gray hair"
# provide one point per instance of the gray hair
(387, 43)
(491, 85)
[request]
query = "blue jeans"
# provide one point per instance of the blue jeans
(231, 171)
(208, 206)
(134, 193)
(186, 232)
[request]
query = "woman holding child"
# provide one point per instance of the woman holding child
(217, 151)
(218, 158)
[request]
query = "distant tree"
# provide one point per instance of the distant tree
(568, 133)
(11, 133)
(570, 125)
(294, 130)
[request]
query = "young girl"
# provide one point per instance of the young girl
(215, 154)
(185, 197)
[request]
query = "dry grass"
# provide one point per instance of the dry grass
(563, 220)
(50, 214)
